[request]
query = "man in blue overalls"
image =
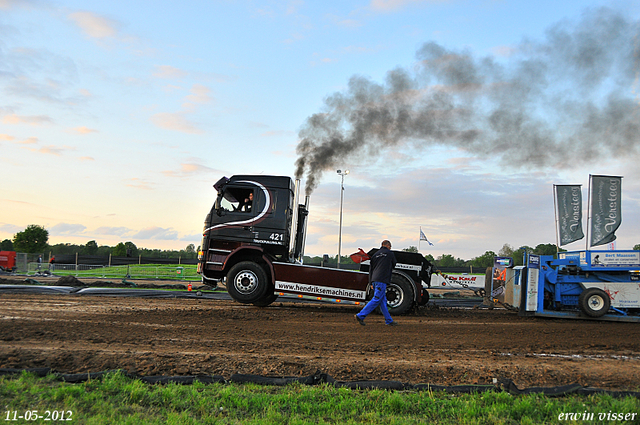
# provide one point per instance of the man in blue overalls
(382, 264)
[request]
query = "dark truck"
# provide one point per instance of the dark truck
(254, 239)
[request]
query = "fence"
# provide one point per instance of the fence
(131, 271)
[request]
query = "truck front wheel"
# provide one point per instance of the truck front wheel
(266, 300)
(594, 302)
(399, 295)
(247, 282)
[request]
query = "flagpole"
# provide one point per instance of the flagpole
(586, 248)
(555, 212)
(419, 238)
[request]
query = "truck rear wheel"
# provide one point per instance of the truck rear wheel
(247, 282)
(594, 302)
(399, 295)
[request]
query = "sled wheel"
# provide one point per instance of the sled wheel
(399, 295)
(594, 302)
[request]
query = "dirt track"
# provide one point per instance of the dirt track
(190, 336)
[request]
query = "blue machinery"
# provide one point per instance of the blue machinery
(603, 285)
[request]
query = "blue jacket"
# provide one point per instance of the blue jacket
(382, 263)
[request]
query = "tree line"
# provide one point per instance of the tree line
(447, 260)
(35, 240)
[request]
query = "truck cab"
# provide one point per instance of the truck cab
(250, 211)
(253, 210)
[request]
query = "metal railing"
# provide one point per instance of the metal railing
(133, 271)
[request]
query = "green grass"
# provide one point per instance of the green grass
(116, 398)
(134, 271)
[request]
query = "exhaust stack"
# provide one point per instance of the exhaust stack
(294, 220)
(301, 231)
(304, 227)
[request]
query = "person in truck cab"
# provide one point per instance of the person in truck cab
(382, 264)
(246, 205)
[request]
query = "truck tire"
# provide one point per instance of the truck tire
(247, 282)
(594, 302)
(266, 300)
(399, 295)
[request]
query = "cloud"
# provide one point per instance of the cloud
(87, 158)
(10, 4)
(190, 169)
(156, 233)
(29, 141)
(26, 119)
(93, 25)
(138, 184)
(169, 72)
(349, 23)
(199, 94)
(11, 228)
(6, 137)
(278, 133)
(196, 238)
(176, 122)
(503, 51)
(67, 229)
(84, 130)
(52, 150)
(392, 5)
(112, 231)
(38, 73)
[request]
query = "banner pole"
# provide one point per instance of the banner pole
(555, 212)
(586, 248)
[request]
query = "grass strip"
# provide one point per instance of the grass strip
(116, 398)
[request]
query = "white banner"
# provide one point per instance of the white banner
(320, 291)
(467, 279)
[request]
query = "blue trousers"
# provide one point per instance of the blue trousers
(379, 299)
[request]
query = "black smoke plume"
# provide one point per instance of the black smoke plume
(569, 100)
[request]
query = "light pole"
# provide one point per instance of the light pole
(342, 174)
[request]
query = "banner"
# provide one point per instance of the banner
(606, 208)
(569, 202)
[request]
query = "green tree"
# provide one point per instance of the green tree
(411, 249)
(430, 258)
(190, 251)
(6, 245)
(119, 250)
(446, 260)
(546, 249)
(636, 247)
(484, 261)
(32, 240)
(506, 251)
(91, 248)
(131, 249)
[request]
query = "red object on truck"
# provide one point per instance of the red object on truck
(8, 260)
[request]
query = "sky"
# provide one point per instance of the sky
(116, 118)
